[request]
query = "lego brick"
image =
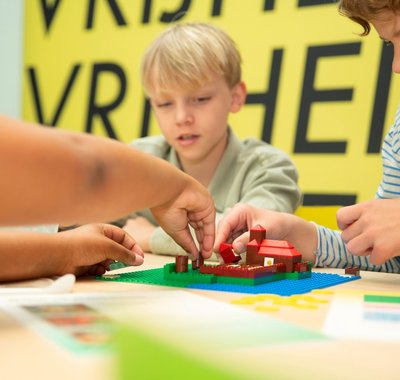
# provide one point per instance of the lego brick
(257, 233)
(197, 263)
(252, 257)
(189, 277)
(250, 281)
(276, 244)
(355, 271)
(276, 251)
(301, 267)
(298, 275)
(280, 267)
(240, 271)
(227, 254)
(181, 264)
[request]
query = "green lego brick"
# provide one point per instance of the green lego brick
(381, 299)
(250, 281)
(297, 275)
(189, 277)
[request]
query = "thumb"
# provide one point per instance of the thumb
(239, 244)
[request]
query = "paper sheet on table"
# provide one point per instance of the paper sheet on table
(362, 316)
(186, 317)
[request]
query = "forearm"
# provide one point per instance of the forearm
(78, 170)
(28, 255)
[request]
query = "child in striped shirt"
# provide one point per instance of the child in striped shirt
(370, 235)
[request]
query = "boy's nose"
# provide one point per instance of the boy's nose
(183, 116)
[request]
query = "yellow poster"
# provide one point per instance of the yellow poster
(316, 89)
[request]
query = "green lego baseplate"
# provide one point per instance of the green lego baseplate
(167, 276)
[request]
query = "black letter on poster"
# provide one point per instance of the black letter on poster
(310, 95)
(36, 95)
(269, 5)
(49, 12)
(168, 17)
(146, 118)
(103, 110)
(268, 98)
(114, 8)
(310, 3)
(381, 100)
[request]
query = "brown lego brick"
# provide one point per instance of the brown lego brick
(252, 257)
(355, 271)
(196, 263)
(240, 271)
(301, 267)
(181, 264)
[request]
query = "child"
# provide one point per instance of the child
(57, 176)
(192, 76)
(370, 237)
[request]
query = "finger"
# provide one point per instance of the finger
(352, 231)
(239, 244)
(228, 228)
(203, 224)
(120, 236)
(185, 240)
(359, 246)
(119, 253)
(348, 215)
(377, 258)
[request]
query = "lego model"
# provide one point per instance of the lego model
(266, 261)
(271, 266)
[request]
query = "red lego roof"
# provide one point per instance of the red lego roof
(257, 228)
(278, 252)
(276, 243)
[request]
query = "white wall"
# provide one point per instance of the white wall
(11, 39)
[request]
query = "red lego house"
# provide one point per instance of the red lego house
(264, 252)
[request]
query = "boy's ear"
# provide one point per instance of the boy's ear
(239, 93)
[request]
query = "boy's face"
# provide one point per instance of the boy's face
(388, 28)
(195, 122)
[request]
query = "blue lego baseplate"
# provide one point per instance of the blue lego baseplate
(282, 287)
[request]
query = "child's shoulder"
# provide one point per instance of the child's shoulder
(262, 149)
(155, 145)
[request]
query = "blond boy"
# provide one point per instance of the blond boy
(192, 75)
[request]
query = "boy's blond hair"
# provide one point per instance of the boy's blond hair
(364, 11)
(186, 56)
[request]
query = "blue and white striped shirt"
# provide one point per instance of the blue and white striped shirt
(332, 251)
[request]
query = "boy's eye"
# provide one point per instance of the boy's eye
(163, 104)
(202, 99)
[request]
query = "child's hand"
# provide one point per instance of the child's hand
(372, 228)
(195, 206)
(90, 249)
(142, 229)
(233, 228)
